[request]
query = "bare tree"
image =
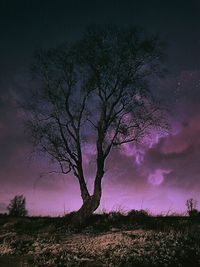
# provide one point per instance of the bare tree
(94, 91)
(191, 205)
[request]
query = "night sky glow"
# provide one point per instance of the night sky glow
(162, 173)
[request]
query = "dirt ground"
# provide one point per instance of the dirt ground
(44, 243)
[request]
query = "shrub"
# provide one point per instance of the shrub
(194, 213)
(191, 205)
(17, 206)
(138, 213)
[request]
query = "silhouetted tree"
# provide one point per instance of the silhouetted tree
(17, 206)
(192, 207)
(94, 91)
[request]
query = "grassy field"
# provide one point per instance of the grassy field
(107, 240)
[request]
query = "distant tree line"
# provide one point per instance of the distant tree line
(17, 208)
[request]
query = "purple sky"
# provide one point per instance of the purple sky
(161, 174)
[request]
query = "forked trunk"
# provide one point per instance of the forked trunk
(90, 204)
(86, 210)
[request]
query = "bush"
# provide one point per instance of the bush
(194, 213)
(17, 206)
(191, 205)
(138, 213)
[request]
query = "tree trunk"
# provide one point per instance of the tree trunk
(89, 205)
(86, 210)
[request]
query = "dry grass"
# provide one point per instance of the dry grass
(48, 245)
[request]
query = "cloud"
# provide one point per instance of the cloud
(157, 177)
(179, 153)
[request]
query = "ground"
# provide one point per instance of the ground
(110, 240)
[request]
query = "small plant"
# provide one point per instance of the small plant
(192, 207)
(17, 206)
(138, 213)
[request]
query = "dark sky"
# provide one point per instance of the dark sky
(159, 177)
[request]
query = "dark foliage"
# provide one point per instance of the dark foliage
(17, 206)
